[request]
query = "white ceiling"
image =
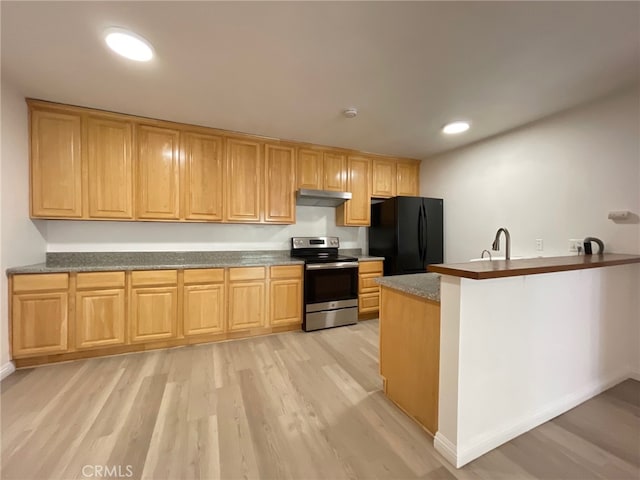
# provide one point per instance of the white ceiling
(287, 70)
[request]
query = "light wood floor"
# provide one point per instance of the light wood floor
(294, 405)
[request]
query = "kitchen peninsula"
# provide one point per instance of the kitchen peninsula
(518, 342)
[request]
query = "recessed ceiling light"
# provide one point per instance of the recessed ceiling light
(455, 127)
(128, 44)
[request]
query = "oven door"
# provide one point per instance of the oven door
(330, 282)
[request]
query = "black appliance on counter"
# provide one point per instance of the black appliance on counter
(330, 283)
(408, 233)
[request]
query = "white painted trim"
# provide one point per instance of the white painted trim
(6, 370)
(446, 448)
(494, 439)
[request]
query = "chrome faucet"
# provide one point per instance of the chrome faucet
(496, 242)
(485, 251)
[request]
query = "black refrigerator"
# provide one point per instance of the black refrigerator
(407, 232)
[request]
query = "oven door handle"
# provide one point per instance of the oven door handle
(331, 266)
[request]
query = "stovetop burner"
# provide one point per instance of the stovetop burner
(318, 250)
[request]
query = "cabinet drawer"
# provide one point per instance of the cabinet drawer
(100, 280)
(247, 273)
(286, 271)
(368, 302)
(204, 275)
(370, 267)
(40, 282)
(367, 282)
(154, 277)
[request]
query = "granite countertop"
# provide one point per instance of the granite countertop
(425, 285)
(118, 261)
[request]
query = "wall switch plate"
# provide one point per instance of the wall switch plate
(539, 245)
(574, 243)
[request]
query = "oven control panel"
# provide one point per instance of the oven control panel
(315, 242)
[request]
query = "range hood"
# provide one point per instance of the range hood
(321, 198)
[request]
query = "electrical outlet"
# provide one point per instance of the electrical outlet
(574, 243)
(539, 245)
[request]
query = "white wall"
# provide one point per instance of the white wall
(519, 351)
(555, 179)
(78, 236)
(21, 240)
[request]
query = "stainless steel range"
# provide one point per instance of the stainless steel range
(330, 283)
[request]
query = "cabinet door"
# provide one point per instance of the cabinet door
(110, 169)
(204, 307)
(158, 167)
(243, 181)
(357, 211)
(383, 178)
(203, 177)
(334, 172)
(309, 173)
(285, 300)
(246, 305)
(39, 323)
(279, 197)
(56, 171)
(100, 318)
(408, 179)
(153, 314)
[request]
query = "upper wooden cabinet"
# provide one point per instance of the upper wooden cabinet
(96, 165)
(357, 211)
(158, 167)
(279, 185)
(309, 171)
(203, 176)
(334, 172)
(109, 168)
(318, 170)
(383, 178)
(243, 185)
(56, 168)
(408, 178)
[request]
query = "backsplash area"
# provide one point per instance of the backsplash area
(103, 236)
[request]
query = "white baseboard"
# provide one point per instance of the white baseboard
(492, 439)
(6, 370)
(446, 448)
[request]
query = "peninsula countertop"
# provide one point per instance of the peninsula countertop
(59, 262)
(530, 266)
(424, 285)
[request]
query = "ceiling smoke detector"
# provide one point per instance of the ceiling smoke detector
(350, 112)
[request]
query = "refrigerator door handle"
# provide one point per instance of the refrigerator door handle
(425, 233)
(420, 232)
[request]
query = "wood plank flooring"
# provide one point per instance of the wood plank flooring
(287, 406)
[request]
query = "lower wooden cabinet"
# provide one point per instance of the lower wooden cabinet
(285, 295)
(57, 317)
(368, 289)
(247, 298)
(100, 318)
(204, 302)
(39, 323)
(153, 313)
